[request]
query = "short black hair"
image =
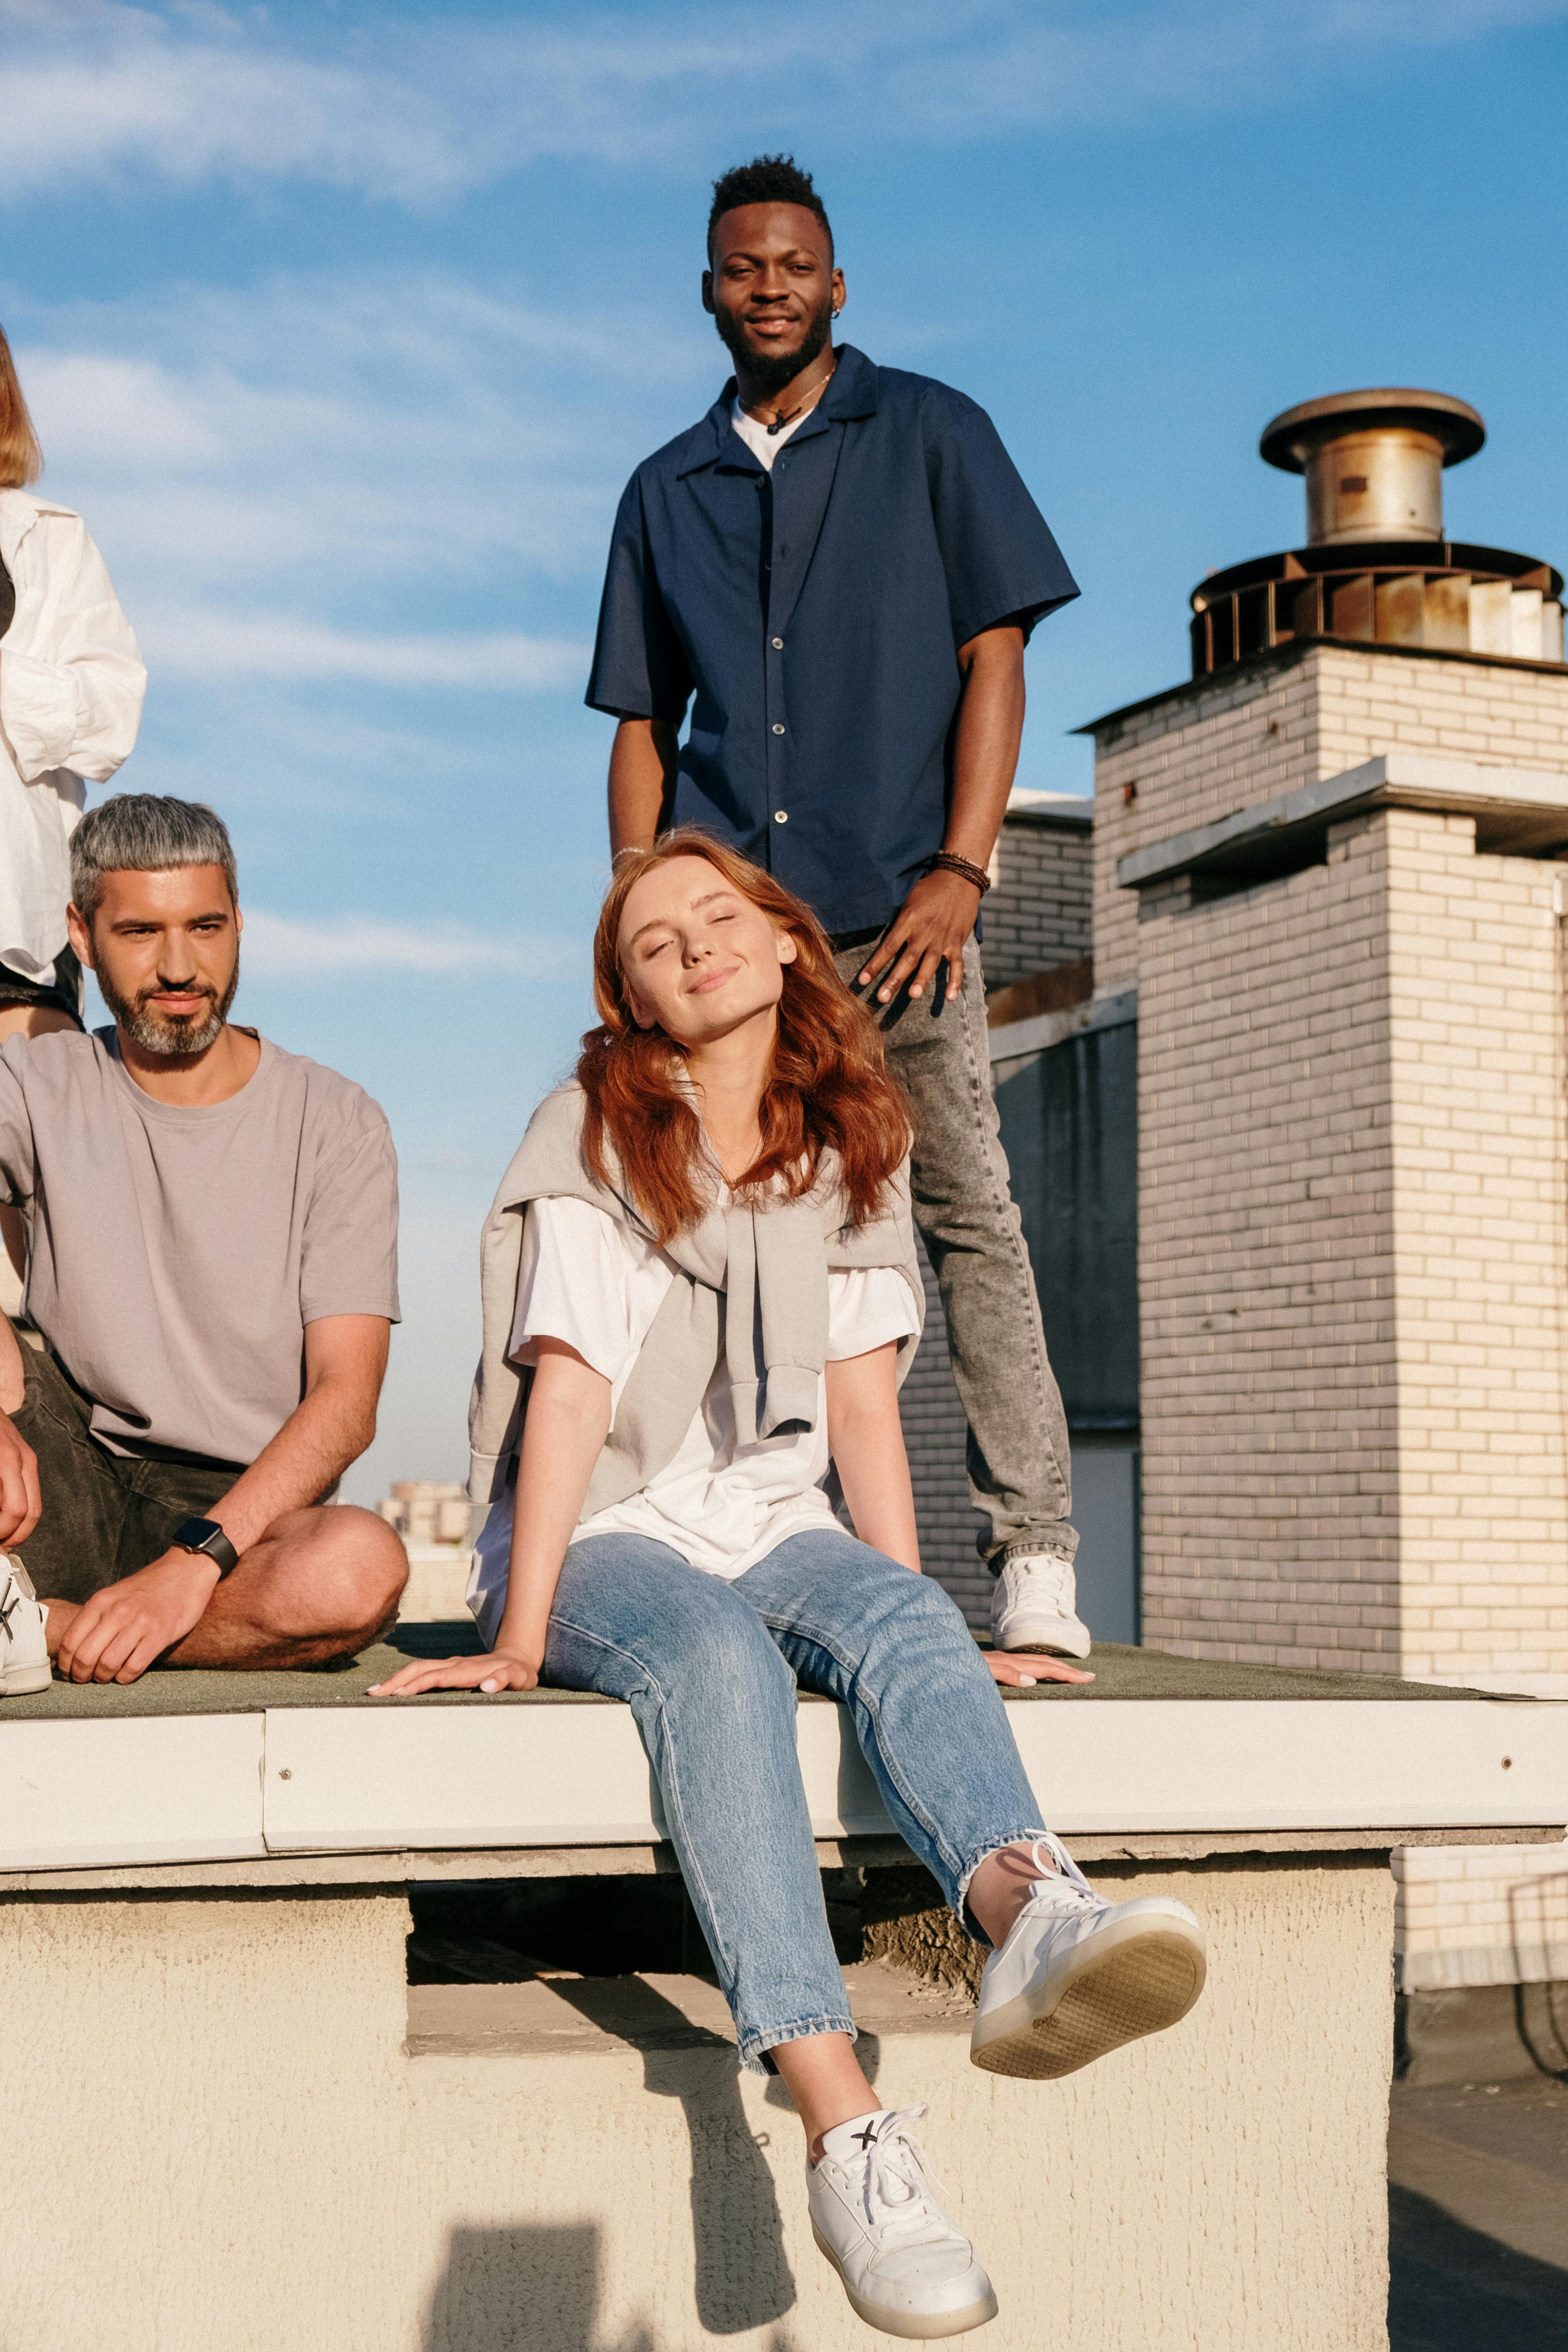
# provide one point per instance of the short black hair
(767, 180)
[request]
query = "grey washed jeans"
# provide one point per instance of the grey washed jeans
(1020, 1471)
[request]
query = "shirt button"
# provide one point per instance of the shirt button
(781, 816)
(778, 645)
(778, 730)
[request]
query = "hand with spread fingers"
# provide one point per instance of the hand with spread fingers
(496, 1670)
(933, 927)
(1017, 1669)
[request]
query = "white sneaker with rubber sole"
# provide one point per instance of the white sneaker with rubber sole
(24, 1653)
(1035, 1606)
(876, 2214)
(1079, 1976)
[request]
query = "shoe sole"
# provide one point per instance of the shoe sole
(1138, 1981)
(924, 2327)
(18, 1680)
(1043, 1637)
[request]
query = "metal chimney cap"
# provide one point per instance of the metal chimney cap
(1294, 436)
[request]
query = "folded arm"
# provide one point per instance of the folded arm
(563, 1432)
(136, 1619)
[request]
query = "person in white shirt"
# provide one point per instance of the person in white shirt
(699, 1291)
(71, 684)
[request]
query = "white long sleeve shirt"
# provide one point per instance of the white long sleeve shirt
(71, 684)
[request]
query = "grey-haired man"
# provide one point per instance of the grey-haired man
(212, 1241)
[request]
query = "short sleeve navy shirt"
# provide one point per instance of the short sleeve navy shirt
(812, 617)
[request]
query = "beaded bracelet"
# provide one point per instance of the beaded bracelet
(949, 861)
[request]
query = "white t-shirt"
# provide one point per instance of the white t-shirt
(71, 682)
(764, 446)
(586, 1281)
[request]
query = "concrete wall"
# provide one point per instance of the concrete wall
(218, 2143)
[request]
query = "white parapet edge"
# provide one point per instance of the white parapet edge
(158, 1789)
(138, 1789)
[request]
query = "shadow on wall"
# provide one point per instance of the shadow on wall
(1454, 2289)
(537, 2288)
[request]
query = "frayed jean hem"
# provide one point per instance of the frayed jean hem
(998, 1845)
(756, 2041)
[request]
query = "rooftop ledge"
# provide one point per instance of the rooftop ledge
(291, 1779)
(1519, 811)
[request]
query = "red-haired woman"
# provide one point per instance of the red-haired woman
(700, 1289)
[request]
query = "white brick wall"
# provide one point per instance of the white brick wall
(1265, 1254)
(1355, 1226)
(1039, 909)
(1480, 1915)
(1243, 736)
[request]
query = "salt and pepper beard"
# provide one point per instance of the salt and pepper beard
(770, 372)
(174, 1037)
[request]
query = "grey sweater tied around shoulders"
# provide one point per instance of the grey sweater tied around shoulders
(751, 1284)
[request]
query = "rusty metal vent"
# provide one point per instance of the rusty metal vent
(1376, 569)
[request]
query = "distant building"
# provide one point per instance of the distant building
(435, 1520)
(427, 1511)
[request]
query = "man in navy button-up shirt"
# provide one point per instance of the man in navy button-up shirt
(837, 570)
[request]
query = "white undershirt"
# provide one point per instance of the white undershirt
(764, 446)
(586, 1281)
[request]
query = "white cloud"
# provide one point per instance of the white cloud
(383, 478)
(199, 643)
(417, 113)
(284, 948)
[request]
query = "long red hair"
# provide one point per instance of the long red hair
(828, 1087)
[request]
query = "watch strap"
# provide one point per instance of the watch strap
(206, 1536)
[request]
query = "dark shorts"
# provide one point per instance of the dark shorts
(62, 994)
(105, 1515)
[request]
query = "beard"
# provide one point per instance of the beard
(171, 1037)
(772, 371)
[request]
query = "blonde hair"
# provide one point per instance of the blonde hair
(21, 459)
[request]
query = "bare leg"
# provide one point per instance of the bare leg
(823, 2076)
(1000, 1888)
(321, 1581)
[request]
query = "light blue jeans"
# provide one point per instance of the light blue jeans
(710, 1671)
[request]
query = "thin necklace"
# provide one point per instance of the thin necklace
(810, 401)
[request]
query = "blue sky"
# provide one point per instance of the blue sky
(344, 325)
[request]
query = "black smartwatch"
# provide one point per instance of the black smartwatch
(206, 1536)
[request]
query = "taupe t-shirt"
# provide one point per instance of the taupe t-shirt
(177, 1254)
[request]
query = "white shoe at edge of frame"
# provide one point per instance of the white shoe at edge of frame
(876, 2214)
(1035, 1606)
(1078, 1975)
(24, 1653)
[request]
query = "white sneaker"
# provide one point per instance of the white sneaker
(1079, 1976)
(24, 1653)
(1035, 1606)
(905, 2265)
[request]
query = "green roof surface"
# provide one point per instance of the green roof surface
(1120, 1672)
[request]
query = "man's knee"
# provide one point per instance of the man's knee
(344, 1564)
